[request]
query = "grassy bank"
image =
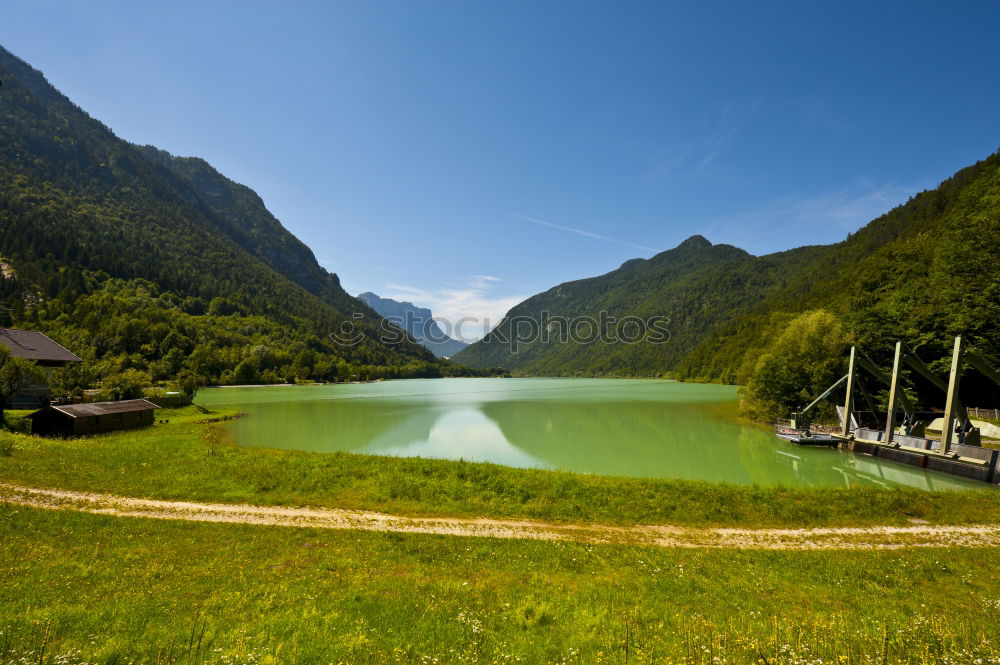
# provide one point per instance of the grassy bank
(17, 420)
(189, 459)
(98, 589)
(78, 588)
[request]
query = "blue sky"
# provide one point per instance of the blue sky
(467, 154)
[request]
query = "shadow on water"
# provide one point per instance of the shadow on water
(623, 428)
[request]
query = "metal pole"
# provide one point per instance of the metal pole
(849, 401)
(865, 363)
(890, 419)
(951, 404)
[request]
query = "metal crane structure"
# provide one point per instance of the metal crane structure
(959, 450)
(956, 425)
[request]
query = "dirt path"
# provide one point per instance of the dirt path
(877, 537)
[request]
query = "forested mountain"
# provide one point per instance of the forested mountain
(158, 267)
(128, 256)
(696, 286)
(418, 321)
(923, 272)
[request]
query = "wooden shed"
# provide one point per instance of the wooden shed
(80, 419)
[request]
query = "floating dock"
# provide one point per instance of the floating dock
(959, 451)
(973, 462)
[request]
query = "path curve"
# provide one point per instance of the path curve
(826, 538)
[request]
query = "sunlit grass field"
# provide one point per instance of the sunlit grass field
(78, 588)
(190, 459)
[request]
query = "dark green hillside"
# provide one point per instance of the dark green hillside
(247, 221)
(696, 285)
(923, 272)
(84, 213)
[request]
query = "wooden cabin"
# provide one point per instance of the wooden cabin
(94, 418)
(37, 347)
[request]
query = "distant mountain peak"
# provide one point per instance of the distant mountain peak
(895, 276)
(418, 321)
(368, 297)
(695, 242)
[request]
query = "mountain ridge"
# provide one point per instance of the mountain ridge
(922, 272)
(417, 321)
(86, 214)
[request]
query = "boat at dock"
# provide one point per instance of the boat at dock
(805, 438)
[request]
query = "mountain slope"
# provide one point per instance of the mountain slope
(691, 288)
(80, 207)
(417, 321)
(923, 272)
(251, 225)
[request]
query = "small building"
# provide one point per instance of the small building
(94, 418)
(39, 348)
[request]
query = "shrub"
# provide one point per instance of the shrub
(807, 356)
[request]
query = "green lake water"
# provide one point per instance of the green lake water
(618, 427)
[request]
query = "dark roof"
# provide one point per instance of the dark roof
(35, 346)
(104, 408)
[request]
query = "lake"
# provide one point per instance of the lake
(616, 427)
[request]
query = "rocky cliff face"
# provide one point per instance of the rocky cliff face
(417, 321)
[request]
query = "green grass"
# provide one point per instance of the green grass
(188, 459)
(96, 589)
(78, 588)
(17, 420)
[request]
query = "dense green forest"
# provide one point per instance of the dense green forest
(922, 273)
(156, 267)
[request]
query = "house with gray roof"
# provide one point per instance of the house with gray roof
(39, 348)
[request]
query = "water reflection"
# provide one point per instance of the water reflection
(450, 437)
(623, 428)
(625, 438)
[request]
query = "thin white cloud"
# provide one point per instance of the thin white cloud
(586, 234)
(483, 281)
(715, 146)
(699, 147)
(469, 308)
(821, 218)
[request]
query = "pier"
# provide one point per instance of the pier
(898, 433)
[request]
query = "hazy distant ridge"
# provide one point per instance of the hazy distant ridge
(417, 321)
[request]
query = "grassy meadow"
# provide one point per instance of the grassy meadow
(191, 459)
(80, 588)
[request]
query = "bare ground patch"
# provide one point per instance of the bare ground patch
(841, 538)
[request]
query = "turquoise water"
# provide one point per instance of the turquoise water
(619, 427)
